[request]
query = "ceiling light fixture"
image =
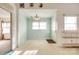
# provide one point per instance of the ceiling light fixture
(36, 17)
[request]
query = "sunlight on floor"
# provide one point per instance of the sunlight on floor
(16, 52)
(27, 52)
(30, 52)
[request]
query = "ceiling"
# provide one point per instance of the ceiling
(4, 13)
(40, 12)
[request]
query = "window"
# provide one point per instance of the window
(70, 23)
(5, 27)
(54, 26)
(35, 25)
(42, 25)
(39, 25)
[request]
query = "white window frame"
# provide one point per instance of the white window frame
(4, 29)
(74, 24)
(40, 26)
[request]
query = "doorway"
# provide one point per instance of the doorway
(40, 29)
(5, 31)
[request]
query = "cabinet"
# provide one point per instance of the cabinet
(70, 39)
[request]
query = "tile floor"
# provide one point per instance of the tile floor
(41, 47)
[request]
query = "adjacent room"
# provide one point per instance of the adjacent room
(5, 34)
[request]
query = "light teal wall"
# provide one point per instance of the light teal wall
(22, 30)
(38, 34)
